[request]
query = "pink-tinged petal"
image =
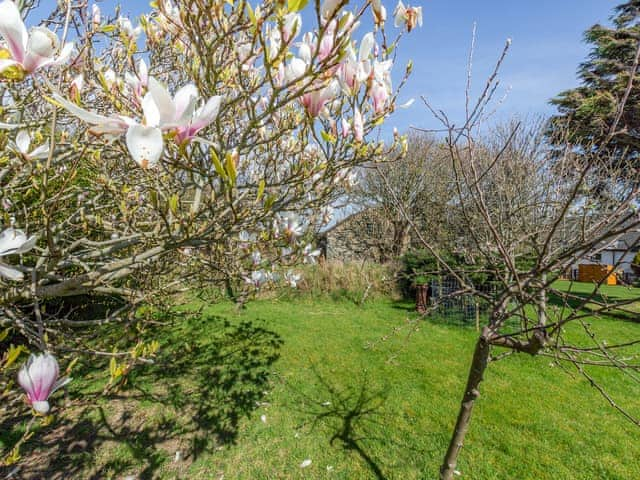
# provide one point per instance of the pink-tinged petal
(37, 377)
(11, 273)
(345, 127)
(163, 101)
(6, 63)
(41, 48)
(143, 72)
(95, 14)
(184, 102)
(43, 371)
(23, 141)
(358, 126)
(13, 30)
(23, 376)
(145, 145)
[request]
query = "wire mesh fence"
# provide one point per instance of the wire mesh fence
(457, 308)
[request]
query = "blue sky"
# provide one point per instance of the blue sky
(547, 47)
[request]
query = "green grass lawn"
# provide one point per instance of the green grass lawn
(357, 390)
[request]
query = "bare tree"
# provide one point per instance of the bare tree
(418, 186)
(517, 198)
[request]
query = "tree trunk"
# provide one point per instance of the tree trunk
(400, 238)
(471, 393)
(422, 298)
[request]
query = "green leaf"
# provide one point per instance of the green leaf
(261, 186)
(13, 354)
(230, 167)
(217, 164)
(173, 204)
(296, 5)
(269, 201)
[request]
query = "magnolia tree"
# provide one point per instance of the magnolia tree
(202, 141)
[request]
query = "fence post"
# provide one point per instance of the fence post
(477, 308)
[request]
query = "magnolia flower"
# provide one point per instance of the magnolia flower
(23, 142)
(39, 378)
(95, 15)
(309, 255)
(294, 70)
(315, 101)
(327, 214)
(358, 126)
(245, 239)
(126, 27)
(161, 113)
(292, 278)
(291, 226)
(256, 257)
(345, 127)
(29, 50)
(257, 278)
(138, 81)
(354, 70)
(410, 16)
(379, 94)
(178, 114)
(110, 78)
(12, 242)
(76, 87)
(291, 24)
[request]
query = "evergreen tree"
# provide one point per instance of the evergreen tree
(586, 113)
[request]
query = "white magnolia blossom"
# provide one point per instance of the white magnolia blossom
(257, 278)
(23, 143)
(138, 82)
(29, 50)
(161, 112)
(309, 255)
(292, 23)
(39, 378)
(291, 226)
(292, 278)
(96, 15)
(127, 28)
(14, 242)
(409, 16)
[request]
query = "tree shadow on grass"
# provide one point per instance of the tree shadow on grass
(354, 417)
(208, 377)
